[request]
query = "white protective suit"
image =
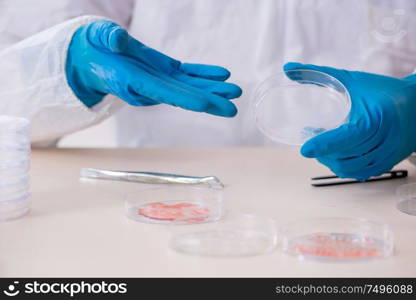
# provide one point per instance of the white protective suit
(252, 38)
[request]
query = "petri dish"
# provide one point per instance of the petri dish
(15, 189)
(234, 236)
(14, 126)
(14, 167)
(175, 205)
(337, 239)
(294, 106)
(406, 194)
(15, 208)
(14, 171)
(412, 159)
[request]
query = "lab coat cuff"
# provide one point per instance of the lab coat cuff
(76, 114)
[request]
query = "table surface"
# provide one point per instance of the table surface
(77, 228)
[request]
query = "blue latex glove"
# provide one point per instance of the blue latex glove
(104, 59)
(382, 127)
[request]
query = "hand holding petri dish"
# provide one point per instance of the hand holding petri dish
(293, 106)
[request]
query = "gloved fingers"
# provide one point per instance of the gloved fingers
(152, 70)
(218, 109)
(107, 35)
(350, 79)
(345, 137)
(151, 57)
(133, 98)
(205, 71)
(343, 167)
(175, 93)
(373, 169)
(223, 89)
(377, 135)
(360, 173)
(114, 38)
(341, 75)
(367, 146)
(379, 155)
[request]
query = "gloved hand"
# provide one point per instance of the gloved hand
(381, 130)
(104, 59)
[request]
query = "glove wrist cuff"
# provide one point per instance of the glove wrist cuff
(78, 78)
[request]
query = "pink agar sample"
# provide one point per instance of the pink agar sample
(185, 212)
(336, 245)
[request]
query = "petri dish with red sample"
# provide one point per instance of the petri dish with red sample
(175, 205)
(337, 239)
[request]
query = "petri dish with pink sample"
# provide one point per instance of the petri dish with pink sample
(337, 239)
(175, 205)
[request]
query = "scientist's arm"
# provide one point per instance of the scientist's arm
(33, 84)
(104, 59)
(381, 130)
(32, 75)
(61, 79)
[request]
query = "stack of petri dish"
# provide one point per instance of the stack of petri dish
(14, 167)
(296, 105)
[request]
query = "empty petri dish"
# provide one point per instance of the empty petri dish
(175, 205)
(294, 106)
(337, 239)
(406, 194)
(235, 235)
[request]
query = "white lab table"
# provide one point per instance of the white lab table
(77, 228)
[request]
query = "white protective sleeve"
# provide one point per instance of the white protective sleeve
(32, 81)
(33, 84)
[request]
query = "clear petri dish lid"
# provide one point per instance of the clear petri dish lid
(10, 125)
(406, 202)
(175, 205)
(236, 235)
(296, 105)
(337, 239)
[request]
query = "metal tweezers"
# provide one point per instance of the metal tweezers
(395, 174)
(151, 177)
